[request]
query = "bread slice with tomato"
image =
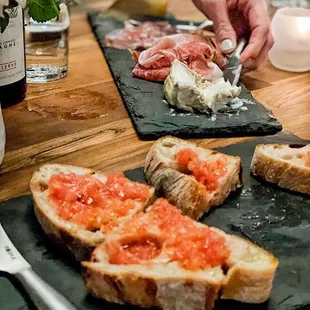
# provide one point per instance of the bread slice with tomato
(76, 206)
(285, 165)
(161, 258)
(192, 178)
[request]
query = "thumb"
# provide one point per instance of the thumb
(217, 11)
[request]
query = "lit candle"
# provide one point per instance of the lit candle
(291, 31)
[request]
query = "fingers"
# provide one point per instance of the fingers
(198, 5)
(252, 13)
(250, 64)
(260, 31)
(256, 43)
(217, 11)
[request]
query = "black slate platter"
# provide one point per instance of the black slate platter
(152, 118)
(275, 219)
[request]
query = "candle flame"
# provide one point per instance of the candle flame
(303, 25)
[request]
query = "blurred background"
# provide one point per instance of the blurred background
(187, 8)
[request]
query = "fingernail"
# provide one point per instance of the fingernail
(227, 45)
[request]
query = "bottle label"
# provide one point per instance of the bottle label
(12, 49)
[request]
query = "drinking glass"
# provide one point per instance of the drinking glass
(47, 48)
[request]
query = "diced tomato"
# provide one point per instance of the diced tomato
(205, 172)
(185, 156)
(193, 247)
(108, 227)
(85, 200)
(142, 248)
(118, 186)
(66, 209)
(307, 159)
(198, 250)
(139, 223)
(168, 218)
(72, 187)
(90, 218)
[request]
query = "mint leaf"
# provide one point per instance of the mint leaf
(43, 10)
(4, 21)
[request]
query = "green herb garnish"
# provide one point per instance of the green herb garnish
(43, 10)
(39, 10)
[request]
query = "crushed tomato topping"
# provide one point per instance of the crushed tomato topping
(193, 246)
(91, 203)
(205, 172)
(142, 248)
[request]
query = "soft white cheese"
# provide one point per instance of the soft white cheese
(216, 95)
(181, 87)
(185, 89)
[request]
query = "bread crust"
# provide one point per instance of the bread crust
(249, 275)
(138, 289)
(64, 238)
(179, 189)
(247, 280)
(250, 269)
(281, 172)
(183, 190)
(68, 236)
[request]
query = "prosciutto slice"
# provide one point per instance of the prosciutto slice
(200, 54)
(142, 36)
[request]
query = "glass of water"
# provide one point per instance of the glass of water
(47, 48)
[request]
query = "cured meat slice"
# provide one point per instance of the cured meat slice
(200, 54)
(143, 36)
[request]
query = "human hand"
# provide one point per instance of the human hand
(234, 19)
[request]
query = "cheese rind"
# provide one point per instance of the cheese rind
(186, 90)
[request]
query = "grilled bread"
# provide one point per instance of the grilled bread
(71, 235)
(175, 275)
(173, 179)
(287, 166)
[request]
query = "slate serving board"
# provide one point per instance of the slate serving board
(152, 118)
(275, 219)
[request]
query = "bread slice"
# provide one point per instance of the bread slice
(174, 182)
(287, 166)
(246, 275)
(70, 236)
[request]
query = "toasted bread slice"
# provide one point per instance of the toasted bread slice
(175, 183)
(246, 275)
(287, 166)
(70, 236)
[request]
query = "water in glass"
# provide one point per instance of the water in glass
(47, 49)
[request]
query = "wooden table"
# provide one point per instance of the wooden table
(110, 143)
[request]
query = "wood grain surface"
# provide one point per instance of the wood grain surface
(64, 125)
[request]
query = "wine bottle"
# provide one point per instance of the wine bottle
(2, 137)
(12, 59)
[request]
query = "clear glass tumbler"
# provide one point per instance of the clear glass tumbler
(47, 48)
